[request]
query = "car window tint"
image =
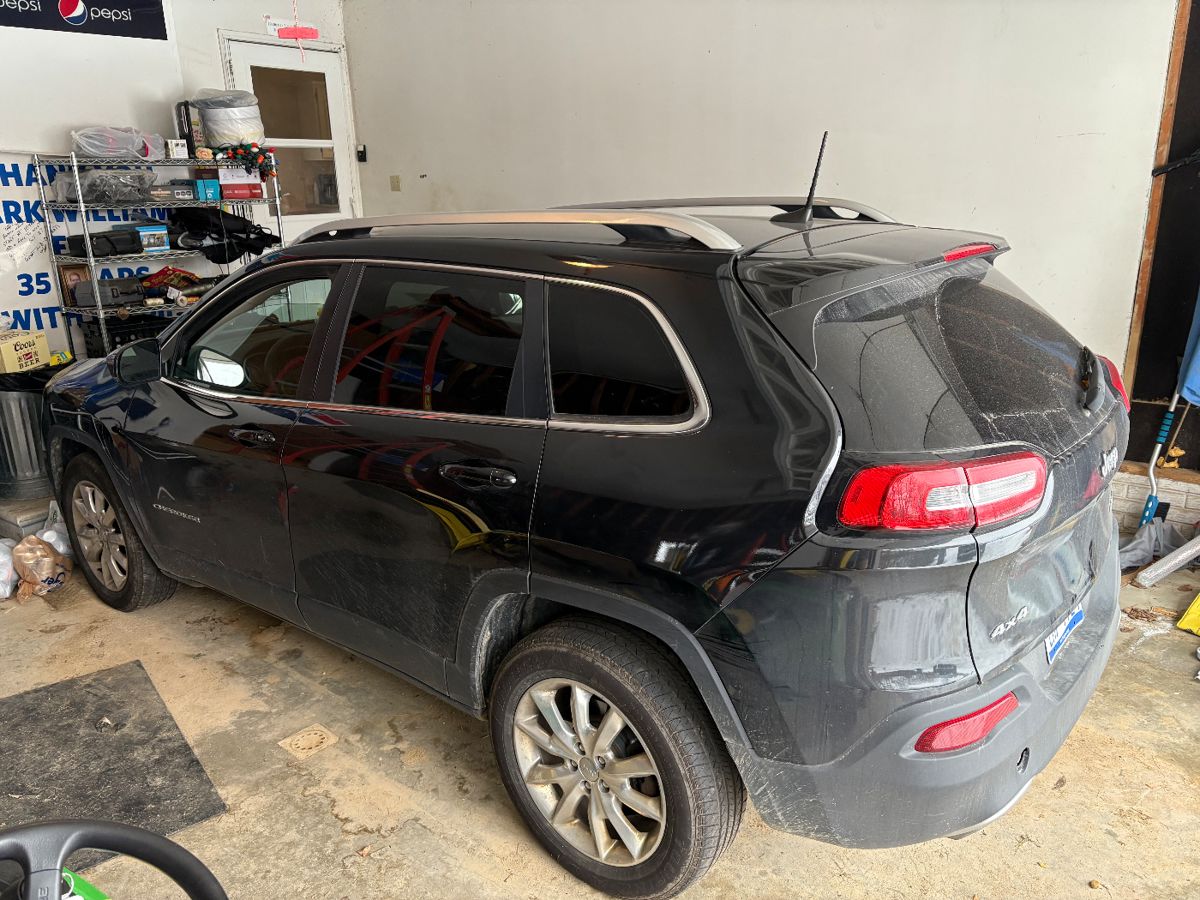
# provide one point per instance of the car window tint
(431, 341)
(259, 347)
(609, 357)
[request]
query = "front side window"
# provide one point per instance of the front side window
(610, 359)
(259, 347)
(431, 341)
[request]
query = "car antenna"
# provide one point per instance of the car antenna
(807, 216)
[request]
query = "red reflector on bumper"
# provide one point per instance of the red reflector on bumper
(966, 730)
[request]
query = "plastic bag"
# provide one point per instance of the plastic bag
(41, 567)
(215, 98)
(229, 118)
(118, 142)
(56, 540)
(232, 127)
(1151, 541)
(54, 519)
(106, 186)
(54, 532)
(8, 573)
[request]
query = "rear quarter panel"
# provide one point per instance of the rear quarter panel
(686, 521)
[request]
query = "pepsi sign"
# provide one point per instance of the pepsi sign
(117, 18)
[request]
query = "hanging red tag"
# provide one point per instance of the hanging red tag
(299, 33)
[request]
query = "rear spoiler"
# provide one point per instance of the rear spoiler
(785, 279)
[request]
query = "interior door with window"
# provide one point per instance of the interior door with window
(304, 112)
(205, 441)
(414, 482)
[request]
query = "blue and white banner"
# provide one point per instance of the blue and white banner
(29, 297)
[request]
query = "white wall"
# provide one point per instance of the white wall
(1036, 121)
(196, 22)
(55, 81)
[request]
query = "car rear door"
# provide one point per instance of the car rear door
(411, 479)
(948, 361)
(205, 441)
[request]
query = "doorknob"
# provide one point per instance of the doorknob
(478, 478)
(252, 437)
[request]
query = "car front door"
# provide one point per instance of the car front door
(411, 483)
(205, 440)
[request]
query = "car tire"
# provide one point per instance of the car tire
(102, 535)
(583, 669)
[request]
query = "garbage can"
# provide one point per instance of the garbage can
(23, 471)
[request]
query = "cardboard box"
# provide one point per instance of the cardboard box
(21, 351)
(154, 238)
(239, 176)
(238, 184)
(168, 192)
(242, 191)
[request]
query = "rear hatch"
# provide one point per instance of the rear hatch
(930, 353)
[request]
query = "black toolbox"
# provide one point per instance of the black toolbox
(113, 292)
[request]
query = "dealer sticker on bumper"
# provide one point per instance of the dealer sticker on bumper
(1057, 639)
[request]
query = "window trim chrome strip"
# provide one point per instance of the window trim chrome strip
(701, 409)
(212, 394)
(463, 418)
(700, 415)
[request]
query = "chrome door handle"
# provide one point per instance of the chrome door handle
(478, 478)
(252, 437)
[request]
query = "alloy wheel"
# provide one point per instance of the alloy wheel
(99, 535)
(589, 772)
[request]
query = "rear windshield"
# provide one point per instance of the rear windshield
(948, 358)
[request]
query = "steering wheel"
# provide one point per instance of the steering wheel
(40, 850)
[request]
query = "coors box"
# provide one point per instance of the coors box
(21, 351)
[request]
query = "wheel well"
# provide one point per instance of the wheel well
(520, 615)
(62, 451)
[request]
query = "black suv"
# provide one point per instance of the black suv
(689, 497)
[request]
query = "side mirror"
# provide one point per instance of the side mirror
(217, 368)
(137, 362)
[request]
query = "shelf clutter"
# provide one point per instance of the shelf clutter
(127, 199)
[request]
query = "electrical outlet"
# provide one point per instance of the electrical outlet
(395, 179)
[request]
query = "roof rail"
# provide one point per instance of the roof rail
(787, 204)
(634, 224)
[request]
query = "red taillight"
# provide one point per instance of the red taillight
(1114, 376)
(944, 495)
(920, 496)
(968, 250)
(966, 730)
(1006, 487)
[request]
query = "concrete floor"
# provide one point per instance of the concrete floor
(408, 802)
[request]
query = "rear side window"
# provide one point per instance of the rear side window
(431, 341)
(609, 358)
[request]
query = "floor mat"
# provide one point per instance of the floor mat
(101, 746)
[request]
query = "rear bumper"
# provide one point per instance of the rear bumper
(885, 794)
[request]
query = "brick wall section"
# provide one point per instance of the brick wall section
(1129, 496)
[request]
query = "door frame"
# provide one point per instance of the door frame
(227, 37)
(1162, 150)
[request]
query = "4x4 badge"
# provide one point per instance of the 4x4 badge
(1009, 624)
